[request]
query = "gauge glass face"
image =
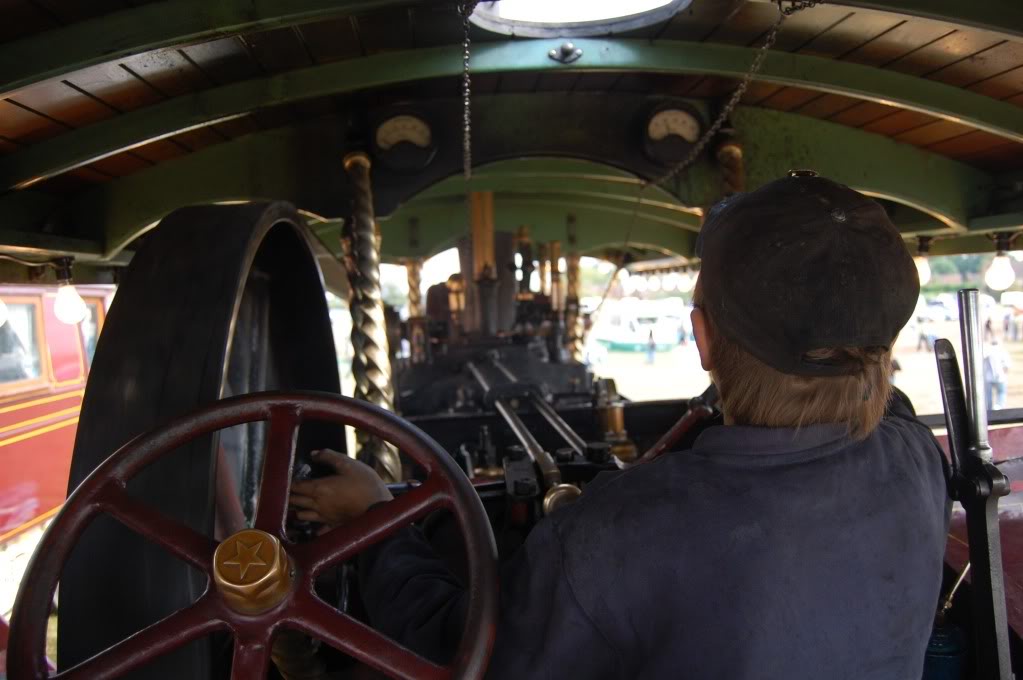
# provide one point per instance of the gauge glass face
(673, 122)
(403, 128)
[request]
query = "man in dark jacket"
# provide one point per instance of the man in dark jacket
(802, 539)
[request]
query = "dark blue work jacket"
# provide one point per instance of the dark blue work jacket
(760, 553)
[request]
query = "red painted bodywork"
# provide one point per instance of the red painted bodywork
(38, 419)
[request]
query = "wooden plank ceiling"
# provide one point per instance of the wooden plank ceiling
(974, 60)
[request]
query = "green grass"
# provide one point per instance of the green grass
(51, 639)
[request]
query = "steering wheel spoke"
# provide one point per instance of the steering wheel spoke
(254, 588)
(361, 642)
(378, 523)
(167, 634)
(178, 539)
(277, 464)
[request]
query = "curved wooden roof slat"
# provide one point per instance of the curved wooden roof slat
(158, 25)
(79, 147)
(180, 22)
(997, 16)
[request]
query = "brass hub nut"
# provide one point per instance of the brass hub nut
(252, 571)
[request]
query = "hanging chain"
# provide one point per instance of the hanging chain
(733, 101)
(465, 9)
(726, 111)
(715, 127)
(798, 6)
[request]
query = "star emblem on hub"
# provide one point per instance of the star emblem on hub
(246, 557)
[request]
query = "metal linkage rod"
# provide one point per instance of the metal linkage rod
(503, 370)
(559, 424)
(547, 411)
(478, 375)
(949, 600)
(548, 468)
(371, 364)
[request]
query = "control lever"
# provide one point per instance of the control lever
(977, 484)
(700, 409)
(548, 467)
(556, 493)
(957, 420)
(533, 395)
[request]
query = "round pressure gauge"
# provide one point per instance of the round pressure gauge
(670, 132)
(404, 142)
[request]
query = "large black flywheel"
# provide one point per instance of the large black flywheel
(219, 301)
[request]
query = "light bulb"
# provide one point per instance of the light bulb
(641, 283)
(69, 307)
(923, 269)
(670, 281)
(1000, 275)
(653, 284)
(687, 282)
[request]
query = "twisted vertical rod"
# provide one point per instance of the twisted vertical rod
(545, 269)
(557, 293)
(414, 271)
(573, 319)
(371, 363)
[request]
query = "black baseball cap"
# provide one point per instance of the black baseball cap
(804, 263)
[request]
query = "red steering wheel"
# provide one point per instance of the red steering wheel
(260, 582)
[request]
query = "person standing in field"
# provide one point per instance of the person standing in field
(996, 373)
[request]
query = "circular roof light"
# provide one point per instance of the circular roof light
(572, 18)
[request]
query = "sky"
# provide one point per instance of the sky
(571, 11)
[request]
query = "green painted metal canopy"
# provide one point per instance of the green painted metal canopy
(114, 115)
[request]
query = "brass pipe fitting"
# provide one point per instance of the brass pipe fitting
(559, 495)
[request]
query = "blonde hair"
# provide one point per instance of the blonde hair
(753, 393)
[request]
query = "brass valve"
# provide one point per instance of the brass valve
(559, 495)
